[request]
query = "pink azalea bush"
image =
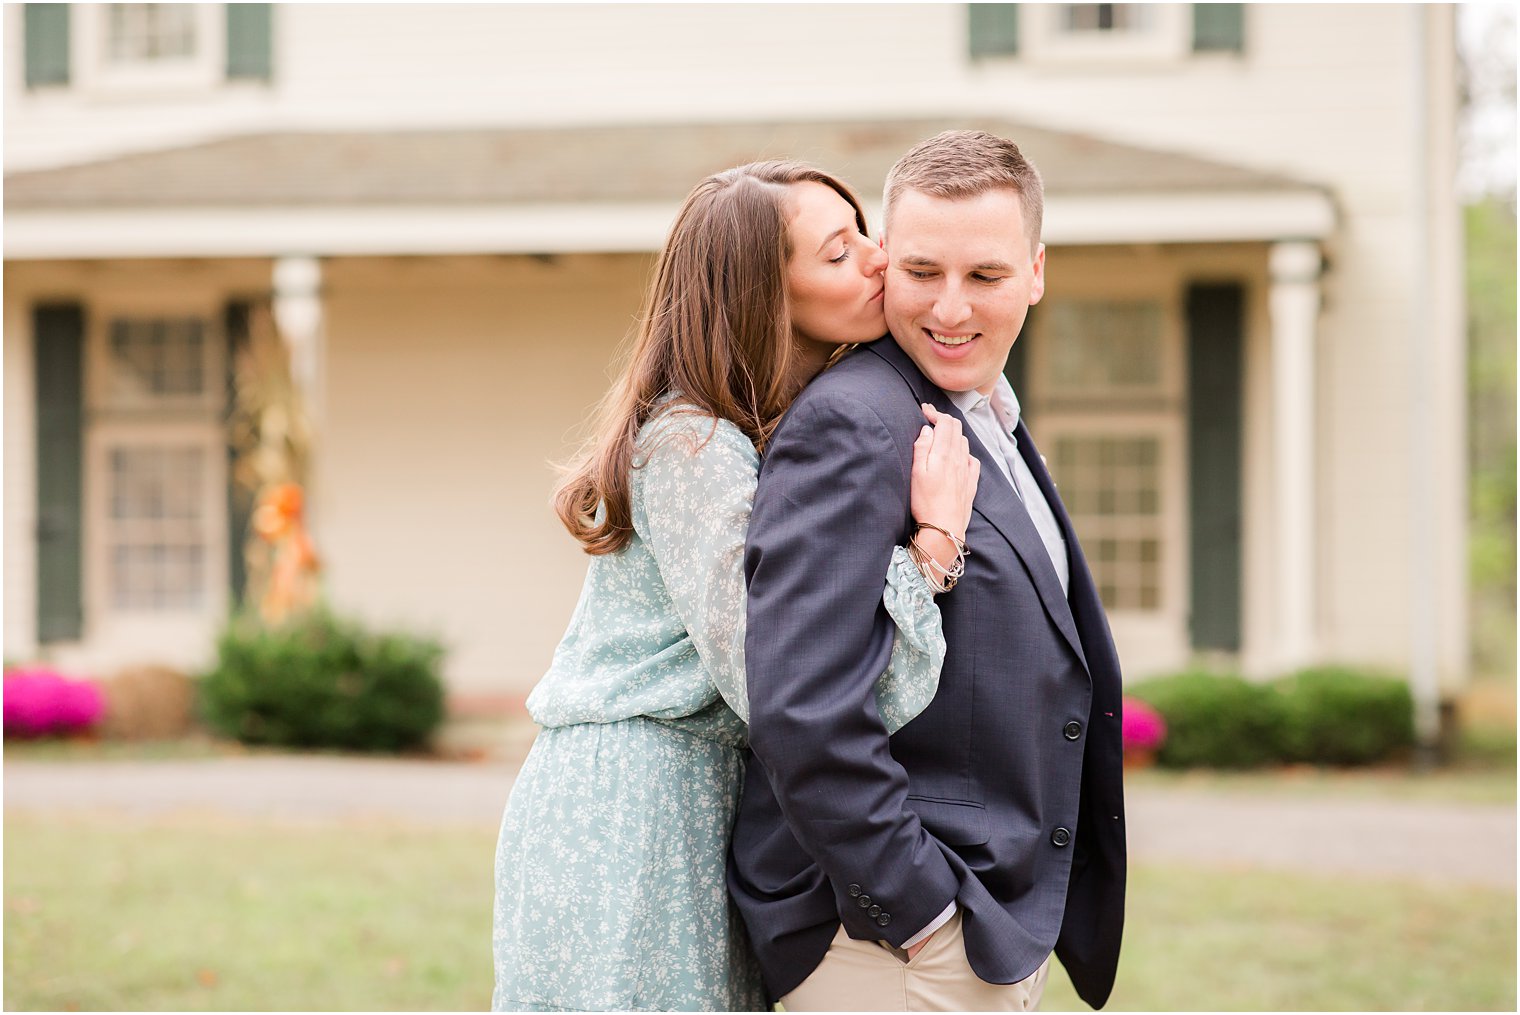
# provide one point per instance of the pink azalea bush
(1144, 729)
(40, 701)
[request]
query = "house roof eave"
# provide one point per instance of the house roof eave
(604, 227)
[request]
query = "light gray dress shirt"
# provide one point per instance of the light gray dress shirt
(994, 417)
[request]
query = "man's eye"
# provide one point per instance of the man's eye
(988, 279)
(919, 274)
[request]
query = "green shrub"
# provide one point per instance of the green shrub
(1340, 716)
(323, 682)
(1215, 720)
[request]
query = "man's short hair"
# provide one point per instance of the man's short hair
(967, 163)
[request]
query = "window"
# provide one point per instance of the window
(1104, 347)
(1111, 486)
(157, 487)
(1106, 34)
(1104, 17)
(157, 527)
(148, 49)
(150, 33)
(1105, 388)
(157, 358)
(109, 50)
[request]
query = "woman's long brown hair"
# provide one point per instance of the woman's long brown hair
(715, 328)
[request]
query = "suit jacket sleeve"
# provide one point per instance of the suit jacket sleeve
(832, 503)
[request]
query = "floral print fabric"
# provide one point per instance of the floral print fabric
(610, 891)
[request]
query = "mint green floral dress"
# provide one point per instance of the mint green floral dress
(610, 889)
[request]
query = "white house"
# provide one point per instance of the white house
(1247, 373)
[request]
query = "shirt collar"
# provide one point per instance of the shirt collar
(1005, 404)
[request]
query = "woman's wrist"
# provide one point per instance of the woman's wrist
(938, 546)
(939, 554)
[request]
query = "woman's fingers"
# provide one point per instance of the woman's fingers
(921, 447)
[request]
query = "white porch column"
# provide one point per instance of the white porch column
(299, 319)
(298, 315)
(1294, 304)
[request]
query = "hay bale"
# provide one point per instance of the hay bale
(148, 703)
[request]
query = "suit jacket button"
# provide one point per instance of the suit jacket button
(864, 902)
(1073, 730)
(854, 891)
(874, 911)
(883, 919)
(1060, 837)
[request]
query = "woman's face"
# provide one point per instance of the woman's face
(834, 277)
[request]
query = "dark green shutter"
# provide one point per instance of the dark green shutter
(1216, 315)
(58, 350)
(1218, 28)
(994, 29)
(240, 489)
(47, 44)
(1014, 369)
(250, 36)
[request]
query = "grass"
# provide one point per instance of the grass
(216, 913)
(458, 739)
(219, 914)
(192, 747)
(1250, 941)
(1474, 785)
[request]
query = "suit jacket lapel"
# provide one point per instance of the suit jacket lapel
(1075, 561)
(996, 500)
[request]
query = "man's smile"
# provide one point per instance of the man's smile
(952, 341)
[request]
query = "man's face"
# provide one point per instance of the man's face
(960, 280)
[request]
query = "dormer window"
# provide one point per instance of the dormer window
(150, 33)
(1103, 17)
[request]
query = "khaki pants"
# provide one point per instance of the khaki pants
(873, 976)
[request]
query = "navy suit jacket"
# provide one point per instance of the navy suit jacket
(1005, 794)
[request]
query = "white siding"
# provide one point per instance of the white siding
(456, 384)
(20, 476)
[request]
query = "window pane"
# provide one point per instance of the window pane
(161, 357)
(1104, 17)
(1111, 487)
(1102, 345)
(144, 33)
(157, 551)
(152, 484)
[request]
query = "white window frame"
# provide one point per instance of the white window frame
(176, 422)
(1154, 633)
(1160, 411)
(1167, 38)
(202, 71)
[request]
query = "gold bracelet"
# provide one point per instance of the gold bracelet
(928, 564)
(960, 544)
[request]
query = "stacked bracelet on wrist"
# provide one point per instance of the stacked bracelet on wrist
(936, 574)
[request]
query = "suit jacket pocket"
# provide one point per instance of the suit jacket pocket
(953, 822)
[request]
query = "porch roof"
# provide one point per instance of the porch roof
(583, 188)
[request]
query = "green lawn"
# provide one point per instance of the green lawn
(197, 912)
(1485, 784)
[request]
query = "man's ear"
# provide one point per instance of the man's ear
(1037, 284)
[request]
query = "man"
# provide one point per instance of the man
(939, 869)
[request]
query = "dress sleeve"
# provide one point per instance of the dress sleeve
(696, 503)
(918, 648)
(697, 486)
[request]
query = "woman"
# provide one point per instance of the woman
(610, 886)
